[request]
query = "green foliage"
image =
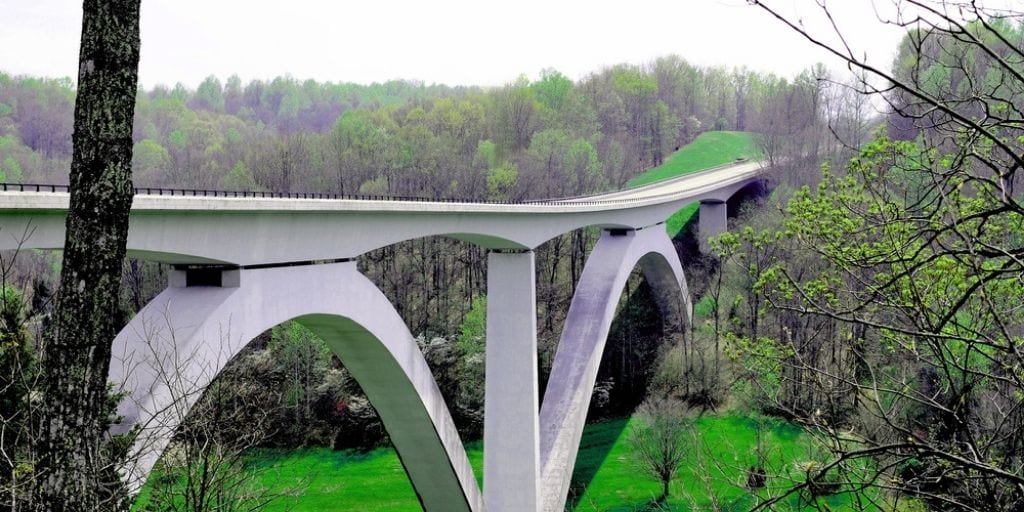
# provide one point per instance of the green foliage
(10, 170)
(763, 360)
(149, 161)
(501, 181)
(470, 347)
(908, 259)
(486, 154)
(705, 307)
(239, 178)
(631, 82)
(377, 186)
(303, 356)
(178, 139)
(18, 361)
(209, 94)
(552, 89)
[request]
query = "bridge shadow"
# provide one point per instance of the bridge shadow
(595, 446)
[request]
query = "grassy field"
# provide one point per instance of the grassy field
(709, 149)
(322, 479)
(606, 479)
(714, 470)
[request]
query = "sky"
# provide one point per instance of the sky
(455, 42)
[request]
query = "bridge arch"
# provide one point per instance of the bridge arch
(578, 356)
(179, 342)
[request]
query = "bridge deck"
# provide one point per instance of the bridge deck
(244, 231)
(681, 188)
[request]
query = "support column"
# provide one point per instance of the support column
(511, 439)
(713, 222)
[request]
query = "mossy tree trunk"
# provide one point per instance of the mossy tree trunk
(74, 470)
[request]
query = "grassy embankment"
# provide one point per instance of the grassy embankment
(709, 149)
(321, 479)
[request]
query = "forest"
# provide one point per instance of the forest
(869, 299)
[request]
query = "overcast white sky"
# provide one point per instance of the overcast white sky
(457, 42)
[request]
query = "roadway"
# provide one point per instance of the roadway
(690, 186)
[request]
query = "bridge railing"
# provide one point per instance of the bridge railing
(638, 188)
(191, 192)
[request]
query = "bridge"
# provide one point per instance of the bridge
(243, 263)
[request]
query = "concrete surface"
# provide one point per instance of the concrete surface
(248, 231)
(511, 439)
(574, 371)
(179, 342)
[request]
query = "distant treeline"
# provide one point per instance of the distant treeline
(547, 137)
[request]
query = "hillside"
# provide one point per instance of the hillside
(709, 149)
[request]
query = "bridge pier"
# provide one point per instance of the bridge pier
(511, 403)
(713, 222)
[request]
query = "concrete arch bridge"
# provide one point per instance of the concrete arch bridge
(245, 264)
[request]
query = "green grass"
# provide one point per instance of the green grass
(715, 466)
(316, 479)
(606, 478)
(709, 149)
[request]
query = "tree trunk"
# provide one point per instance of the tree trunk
(74, 470)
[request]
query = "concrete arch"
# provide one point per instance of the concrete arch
(179, 342)
(573, 374)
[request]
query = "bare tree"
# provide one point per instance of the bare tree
(659, 440)
(192, 449)
(17, 379)
(205, 467)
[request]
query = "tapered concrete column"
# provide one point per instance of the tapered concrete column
(713, 222)
(511, 439)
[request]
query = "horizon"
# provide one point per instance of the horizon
(416, 81)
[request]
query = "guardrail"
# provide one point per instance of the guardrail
(193, 192)
(189, 192)
(645, 186)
